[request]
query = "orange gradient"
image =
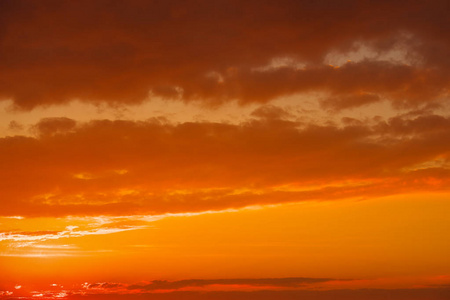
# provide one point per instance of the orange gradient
(224, 150)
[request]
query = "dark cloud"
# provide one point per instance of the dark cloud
(264, 288)
(49, 126)
(13, 125)
(266, 282)
(356, 294)
(119, 51)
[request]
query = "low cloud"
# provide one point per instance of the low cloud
(267, 283)
(250, 288)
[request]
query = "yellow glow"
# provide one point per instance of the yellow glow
(393, 236)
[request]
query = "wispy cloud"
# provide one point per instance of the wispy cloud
(30, 238)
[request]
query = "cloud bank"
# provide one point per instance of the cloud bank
(123, 52)
(155, 167)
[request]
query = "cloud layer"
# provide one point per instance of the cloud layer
(122, 52)
(262, 288)
(155, 167)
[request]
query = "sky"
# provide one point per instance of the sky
(224, 149)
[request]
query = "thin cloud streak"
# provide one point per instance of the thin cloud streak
(27, 238)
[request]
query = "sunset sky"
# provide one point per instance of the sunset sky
(224, 149)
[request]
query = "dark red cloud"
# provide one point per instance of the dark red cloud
(291, 282)
(50, 126)
(155, 167)
(359, 294)
(265, 288)
(117, 51)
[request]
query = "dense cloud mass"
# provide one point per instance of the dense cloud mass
(216, 51)
(156, 167)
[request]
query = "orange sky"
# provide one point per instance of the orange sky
(224, 149)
